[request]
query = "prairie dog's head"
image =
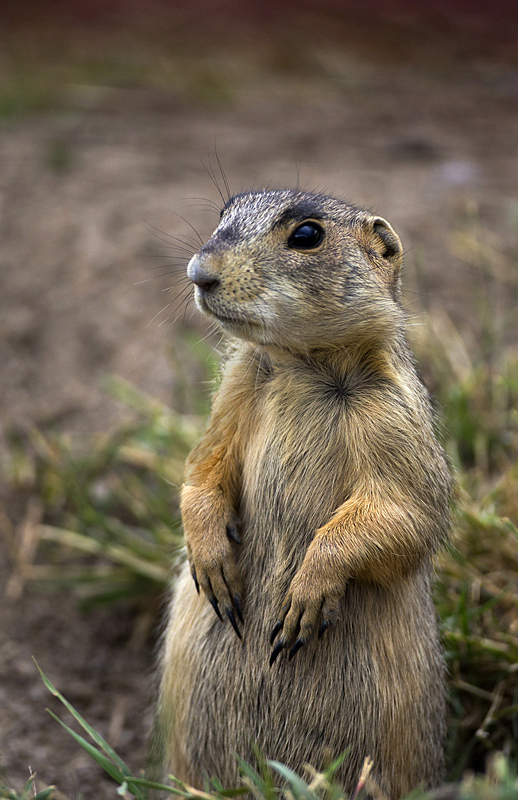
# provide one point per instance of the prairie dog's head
(300, 271)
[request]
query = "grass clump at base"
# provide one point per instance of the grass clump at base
(268, 780)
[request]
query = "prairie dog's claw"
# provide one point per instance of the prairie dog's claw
(276, 650)
(276, 630)
(195, 578)
(237, 606)
(214, 604)
(232, 619)
(296, 647)
(323, 628)
(304, 616)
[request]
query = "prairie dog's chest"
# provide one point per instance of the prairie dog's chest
(295, 454)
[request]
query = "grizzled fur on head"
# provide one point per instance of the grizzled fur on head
(260, 288)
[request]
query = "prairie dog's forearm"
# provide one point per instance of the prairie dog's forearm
(215, 461)
(376, 539)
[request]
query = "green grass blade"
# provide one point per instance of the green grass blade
(28, 788)
(258, 785)
(144, 782)
(336, 764)
(162, 787)
(7, 794)
(45, 794)
(99, 757)
(298, 786)
(96, 737)
(250, 773)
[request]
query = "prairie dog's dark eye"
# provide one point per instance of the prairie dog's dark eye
(306, 237)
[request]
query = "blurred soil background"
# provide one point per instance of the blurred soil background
(112, 117)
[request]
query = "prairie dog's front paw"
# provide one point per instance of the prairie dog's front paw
(312, 604)
(214, 569)
(212, 540)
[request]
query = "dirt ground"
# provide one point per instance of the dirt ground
(83, 279)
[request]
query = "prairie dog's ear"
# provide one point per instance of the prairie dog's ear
(383, 247)
(386, 241)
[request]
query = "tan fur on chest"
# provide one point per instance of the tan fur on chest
(295, 459)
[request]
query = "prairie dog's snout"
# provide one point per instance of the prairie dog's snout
(199, 273)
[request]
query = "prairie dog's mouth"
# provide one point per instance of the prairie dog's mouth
(225, 317)
(234, 320)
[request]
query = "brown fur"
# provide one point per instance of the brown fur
(321, 442)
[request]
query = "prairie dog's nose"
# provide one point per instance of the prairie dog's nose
(200, 276)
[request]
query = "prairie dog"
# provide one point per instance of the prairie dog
(312, 508)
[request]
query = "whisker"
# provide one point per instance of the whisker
(180, 249)
(180, 265)
(213, 328)
(216, 346)
(157, 315)
(181, 280)
(185, 308)
(171, 239)
(165, 255)
(216, 210)
(180, 312)
(186, 240)
(222, 173)
(213, 179)
(190, 226)
(205, 200)
(193, 311)
(170, 272)
(181, 298)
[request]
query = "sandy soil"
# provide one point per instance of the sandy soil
(80, 298)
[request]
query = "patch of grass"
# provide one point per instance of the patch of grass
(267, 780)
(28, 792)
(103, 519)
(102, 515)
(475, 380)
